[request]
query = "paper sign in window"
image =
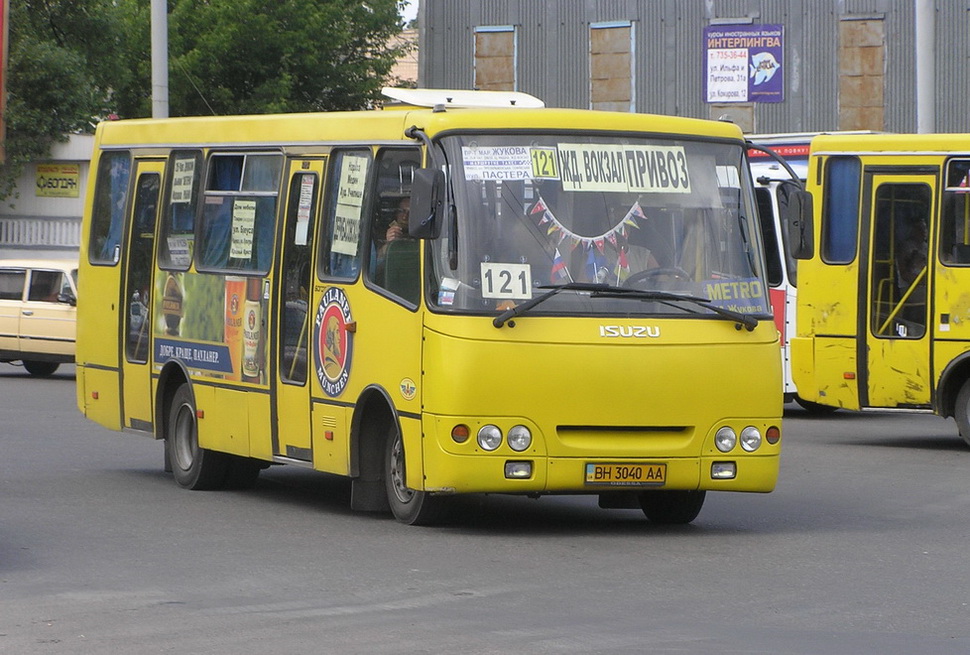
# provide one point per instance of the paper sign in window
(182, 180)
(350, 200)
(243, 229)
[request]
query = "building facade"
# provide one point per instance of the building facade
(43, 218)
(830, 64)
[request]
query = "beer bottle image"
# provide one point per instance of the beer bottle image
(172, 305)
(233, 336)
(252, 332)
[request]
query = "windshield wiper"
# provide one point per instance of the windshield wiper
(501, 319)
(599, 290)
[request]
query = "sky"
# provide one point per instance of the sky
(410, 12)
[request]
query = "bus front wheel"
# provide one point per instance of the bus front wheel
(961, 411)
(193, 467)
(408, 505)
(672, 507)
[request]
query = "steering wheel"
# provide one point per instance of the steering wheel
(656, 275)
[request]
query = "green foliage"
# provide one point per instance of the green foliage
(73, 62)
(255, 56)
(59, 69)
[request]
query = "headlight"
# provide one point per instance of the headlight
(489, 437)
(519, 438)
(750, 439)
(725, 439)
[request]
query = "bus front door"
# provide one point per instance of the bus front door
(292, 432)
(894, 360)
(136, 360)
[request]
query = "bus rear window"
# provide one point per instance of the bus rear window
(108, 212)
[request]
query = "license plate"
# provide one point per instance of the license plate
(626, 474)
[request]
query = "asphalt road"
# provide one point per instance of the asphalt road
(862, 548)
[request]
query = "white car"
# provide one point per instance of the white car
(38, 301)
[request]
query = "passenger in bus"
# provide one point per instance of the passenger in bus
(398, 229)
(911, 260)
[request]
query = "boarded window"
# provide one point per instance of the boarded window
(495, 58)
(611, 66)
(862, 74)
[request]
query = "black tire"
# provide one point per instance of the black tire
(961, 411)
(814, 408)
(408, 505)
(40, 369)
(193, 467)
(672, 507)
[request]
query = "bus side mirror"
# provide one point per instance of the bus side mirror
(795, 205)
(427, 199)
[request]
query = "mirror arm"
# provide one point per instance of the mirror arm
(774, 155)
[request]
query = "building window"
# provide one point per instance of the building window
(611, 74)
(495, 58)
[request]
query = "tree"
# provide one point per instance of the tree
(74, 62)
(62, 63)
(261, 56)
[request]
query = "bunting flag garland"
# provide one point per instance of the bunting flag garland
(614, 235)
(597, 266)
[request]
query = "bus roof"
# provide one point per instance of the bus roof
(386, 126)
(886, 144)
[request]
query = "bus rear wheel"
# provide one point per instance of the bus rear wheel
(672, 507)
(193, 467)
(408, 505)
(961, 411)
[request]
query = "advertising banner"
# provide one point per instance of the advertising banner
(744, 63)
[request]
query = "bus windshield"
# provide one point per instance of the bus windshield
(528, 212)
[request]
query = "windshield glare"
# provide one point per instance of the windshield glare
(647, 214)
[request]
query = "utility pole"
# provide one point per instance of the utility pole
(159, 59)
(925, 66)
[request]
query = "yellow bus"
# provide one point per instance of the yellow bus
(883, 309)
(573, 303)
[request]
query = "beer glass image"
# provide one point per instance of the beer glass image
(235, 308)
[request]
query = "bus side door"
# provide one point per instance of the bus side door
(894, 360)
(291, 434)
(136, 329)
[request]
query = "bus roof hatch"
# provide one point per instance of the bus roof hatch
(461, 98)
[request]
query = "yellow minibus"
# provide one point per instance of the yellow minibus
(883, 310)
(462, 293)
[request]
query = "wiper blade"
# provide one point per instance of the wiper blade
(600, 290)
(502, 318)
(745, 320)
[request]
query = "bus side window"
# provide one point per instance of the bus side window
(177, 241)
(347, 190)
(955, 219)
(239, 213)
(108, 213)
(840, 210)
(769, 232)
(395, 261)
